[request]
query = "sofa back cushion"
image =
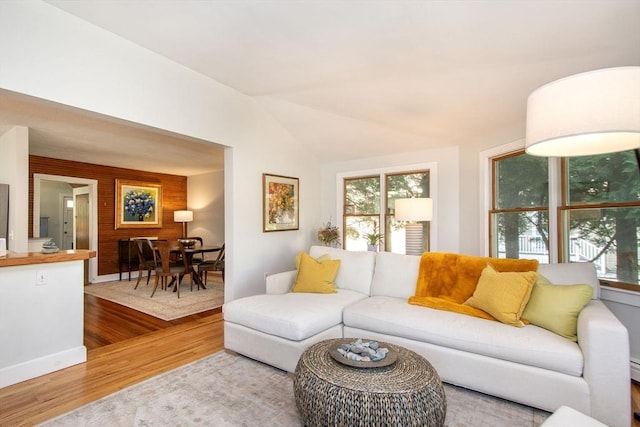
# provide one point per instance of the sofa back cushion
(356, 268)
(575, 273)
(395, 275)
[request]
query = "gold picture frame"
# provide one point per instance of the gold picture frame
(280, 203)
(138, 204)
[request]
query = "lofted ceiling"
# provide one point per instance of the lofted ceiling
(352, 79)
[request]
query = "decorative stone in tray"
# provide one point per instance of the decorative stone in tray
(363, 354)
(49, 247)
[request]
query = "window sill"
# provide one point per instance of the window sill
(621, 296)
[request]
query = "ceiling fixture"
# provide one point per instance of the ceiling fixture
(585, 114)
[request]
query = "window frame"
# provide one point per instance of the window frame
(431, 167)
(557, 204)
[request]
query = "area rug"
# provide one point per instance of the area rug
(226, 389)
(164, 304)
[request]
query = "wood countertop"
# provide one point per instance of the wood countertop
(14, 258)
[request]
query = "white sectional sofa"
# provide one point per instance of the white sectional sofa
(528, 365)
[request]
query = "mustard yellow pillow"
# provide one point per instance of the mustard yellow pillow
(503, 295)
(321, 258)
(556, 307)
(315, 276)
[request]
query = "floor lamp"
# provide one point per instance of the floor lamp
(413, 211)
(590, 113)
(184, 217)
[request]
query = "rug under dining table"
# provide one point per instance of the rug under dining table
(164, 305)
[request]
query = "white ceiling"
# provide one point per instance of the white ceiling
(353, 79)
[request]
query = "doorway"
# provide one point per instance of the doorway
(89, 228)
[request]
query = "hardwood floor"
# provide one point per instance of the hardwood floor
(124, 348)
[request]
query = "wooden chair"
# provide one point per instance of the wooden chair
(165, 269)
(212, 265)
(145, 264)
(195, 260)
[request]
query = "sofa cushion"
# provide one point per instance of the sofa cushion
(395, 275)
(556, 307)
(316, 276)
(294, 316)
(503, 295)
(529, 345)
(356, 269)
(572, 273)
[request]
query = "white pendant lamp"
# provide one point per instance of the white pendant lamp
(589, 113)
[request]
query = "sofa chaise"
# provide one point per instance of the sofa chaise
(529, 365)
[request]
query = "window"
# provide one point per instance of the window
(368, 208)
(597, 211)
(600, 215)
(519, 219)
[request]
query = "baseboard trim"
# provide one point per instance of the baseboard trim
(42, 365)
(635, 371)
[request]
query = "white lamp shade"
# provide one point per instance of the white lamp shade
(417, 209)
(183, 216)
(589, 113)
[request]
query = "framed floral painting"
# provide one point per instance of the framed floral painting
(138, 204)
(280, 203)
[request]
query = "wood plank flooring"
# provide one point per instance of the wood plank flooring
(124, 348)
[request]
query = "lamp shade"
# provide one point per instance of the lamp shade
(183, 216)
(584, 114)
(416, 209)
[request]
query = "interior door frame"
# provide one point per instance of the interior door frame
(93, 210)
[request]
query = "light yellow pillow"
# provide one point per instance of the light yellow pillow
(503, 295)
(315, 276)
(556, 307)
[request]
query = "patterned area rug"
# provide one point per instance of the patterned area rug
(164, 305)
(226, 389)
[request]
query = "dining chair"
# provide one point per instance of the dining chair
(195, 260)
(165, 269)
(212, 265)
(144, 263)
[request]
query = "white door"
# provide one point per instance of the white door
(67, 223)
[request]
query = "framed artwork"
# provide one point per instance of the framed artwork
(138, 204)
(280, 203)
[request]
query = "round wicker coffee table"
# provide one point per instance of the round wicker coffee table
(328, 393)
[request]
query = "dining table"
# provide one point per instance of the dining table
(189, 252)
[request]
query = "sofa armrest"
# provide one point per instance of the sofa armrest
(280, 283)
(604, 342)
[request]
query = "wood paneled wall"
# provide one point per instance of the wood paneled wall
(174, 197)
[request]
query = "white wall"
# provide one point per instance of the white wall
(41, 325)
(51, 193)
(446, 204)
(49, 54)
(206, 200)
(14, 170)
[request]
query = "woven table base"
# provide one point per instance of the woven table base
(328, 393)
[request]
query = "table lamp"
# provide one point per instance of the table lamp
(414, 210)
(184, 217)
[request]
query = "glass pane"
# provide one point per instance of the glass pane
(608, 237)
(605, 178)
(357, 227)
(521, 235)
(362, 196)
(522, 181)
(406, 186)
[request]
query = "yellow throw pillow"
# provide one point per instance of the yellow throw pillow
(321, 258)
(315, 276)
(503, 295)
(556, 307)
